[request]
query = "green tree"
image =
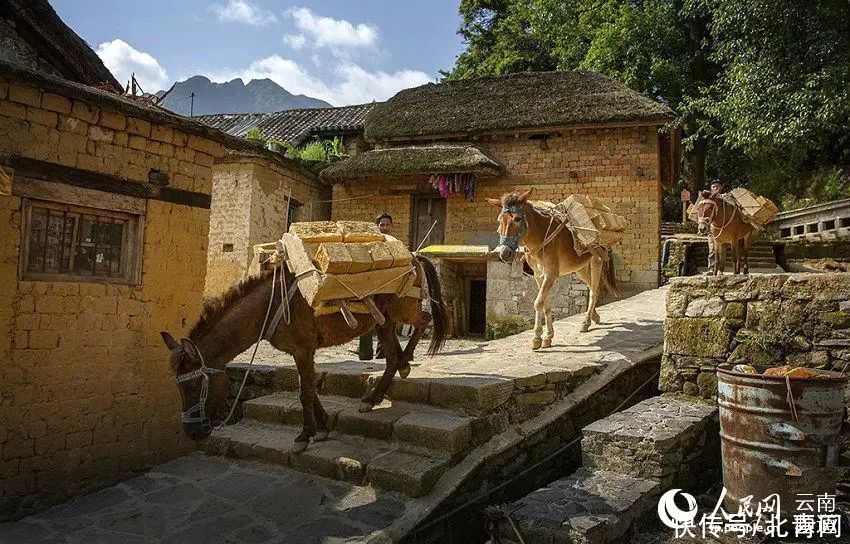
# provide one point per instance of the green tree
(760, 87)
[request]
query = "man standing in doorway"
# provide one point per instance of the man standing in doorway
(716, 190)
(364, 350)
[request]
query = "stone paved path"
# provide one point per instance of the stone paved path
(212, 500)
(627, 327)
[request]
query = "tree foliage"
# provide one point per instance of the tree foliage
(761, 87)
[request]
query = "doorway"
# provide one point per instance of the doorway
(426, 210)
(477, 305)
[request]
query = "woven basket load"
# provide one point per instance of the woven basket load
(591, 221)
(347, 261)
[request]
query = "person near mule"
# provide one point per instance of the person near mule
(717, 189)
(364, 348)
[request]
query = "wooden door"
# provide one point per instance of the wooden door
(426, 210)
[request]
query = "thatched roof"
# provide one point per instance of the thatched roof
(516, 101)
(38, 24)
(398, 161)
(292, 126)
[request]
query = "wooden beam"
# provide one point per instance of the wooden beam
(87, 179)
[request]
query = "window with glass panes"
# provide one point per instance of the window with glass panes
(84, 243)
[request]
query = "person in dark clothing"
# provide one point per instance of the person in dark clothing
(364, 350)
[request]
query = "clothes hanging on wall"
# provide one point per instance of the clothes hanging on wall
(452, 184)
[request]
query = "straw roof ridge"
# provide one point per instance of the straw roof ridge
(412, 160)
(522, 100)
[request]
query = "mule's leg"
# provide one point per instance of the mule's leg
(584, 275)
(736, 257)
(392, 349)
(308, 396)
(322, 429)
(546, 283)
(550, 327)
(593, 294)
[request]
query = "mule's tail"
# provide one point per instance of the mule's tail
(439, 315)
(608, 279)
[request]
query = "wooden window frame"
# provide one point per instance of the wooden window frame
(99, 204)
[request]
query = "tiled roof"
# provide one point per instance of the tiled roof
(291, 126)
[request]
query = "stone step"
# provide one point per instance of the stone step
(474, 395)
(413, 426)
(661, 438)
(358, 460)
(591, 507)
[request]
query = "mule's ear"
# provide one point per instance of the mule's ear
(706, 194)
(495, 202)
(169, 340)
(191, 350)
(526, 195)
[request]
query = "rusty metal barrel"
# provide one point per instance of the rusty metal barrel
(779, 435)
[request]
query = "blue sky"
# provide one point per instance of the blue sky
(345, 52)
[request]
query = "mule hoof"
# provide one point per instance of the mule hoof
(404, 372)
(547, 343)
(321, 436)
(298, 447)
(584, 327)
(365, 407)
(536, 343)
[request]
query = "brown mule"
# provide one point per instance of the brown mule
(231, 324)
(549, 257)
(724, 224)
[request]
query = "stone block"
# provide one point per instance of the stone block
(471, 394)
(24, 94)
(444, 431)
(697, 336)
(162, 133)
(377, 423)
(702, 307)
(55, 102)
(407, 473)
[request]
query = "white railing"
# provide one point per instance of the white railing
(821, 221)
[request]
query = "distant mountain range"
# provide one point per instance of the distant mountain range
(258, 96)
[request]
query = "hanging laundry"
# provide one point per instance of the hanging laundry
(452, 184)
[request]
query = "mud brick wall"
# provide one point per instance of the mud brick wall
(249, 207)
(618, 165)
(769, 320)
(87, 396)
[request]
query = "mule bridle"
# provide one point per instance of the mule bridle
(513, 241)
(710, 219)
(198, 412)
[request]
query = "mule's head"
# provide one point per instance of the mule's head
(511, 222)
(203, 390)
(706, 210)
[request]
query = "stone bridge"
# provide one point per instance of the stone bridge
(459, 433)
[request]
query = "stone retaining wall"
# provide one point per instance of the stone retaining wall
(769, 320)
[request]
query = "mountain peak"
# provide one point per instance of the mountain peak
(257, 96)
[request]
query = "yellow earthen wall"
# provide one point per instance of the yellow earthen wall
(87, 395)
(619, 165)
(249, 207)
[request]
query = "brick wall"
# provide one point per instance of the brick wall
(619, 165)
(87, 394)
(249, 207)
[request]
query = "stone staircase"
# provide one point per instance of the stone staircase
(629, 458)
(402, 445)
(761, 258)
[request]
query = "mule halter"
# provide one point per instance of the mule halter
(512, 242)
(198, 412)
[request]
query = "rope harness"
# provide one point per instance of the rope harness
(512, 241)
(198, 412)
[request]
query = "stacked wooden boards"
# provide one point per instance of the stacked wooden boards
(757, 209)
(346, 260)
(591, 222)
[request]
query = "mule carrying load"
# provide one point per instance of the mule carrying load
(591, 222)
(338, 266)
(755, 210)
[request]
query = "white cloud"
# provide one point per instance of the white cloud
(328, 32)
(241, 11)
(352, 84)
(123, 60)
(295, 41)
